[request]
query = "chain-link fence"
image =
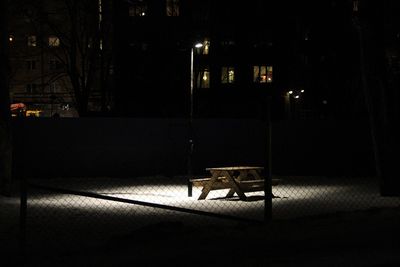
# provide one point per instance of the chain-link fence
(77, 213)
(69, 215)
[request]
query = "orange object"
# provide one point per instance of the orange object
(17, 106)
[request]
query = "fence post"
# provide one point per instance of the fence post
(189, 163)
(268, 179)
(23, 218)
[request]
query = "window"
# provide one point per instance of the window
(137, 8)
(204, 49)
(30, 64)
(269, 74)
(139, 46)
(111, 69)
(54, 64)
(228, 75)
(203, 78)
(54, 87)
(31, 88)
(227, 43)
(262, 74)
(32, 41)
(54, 41)
(173, 8)
(262, 44)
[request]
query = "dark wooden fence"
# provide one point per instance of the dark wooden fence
(126, 147)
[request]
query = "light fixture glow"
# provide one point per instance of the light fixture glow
(198, 45)
(297, 96)
(290, 92)
(302, 91)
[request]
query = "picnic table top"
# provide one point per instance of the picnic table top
(235, 168)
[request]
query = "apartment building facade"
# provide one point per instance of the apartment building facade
(57, 57)
(234, 58)
(303, 57)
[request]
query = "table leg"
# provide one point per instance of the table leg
(235, 187)
(242, 176)
(207, 188)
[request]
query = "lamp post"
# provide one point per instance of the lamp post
(191, 142)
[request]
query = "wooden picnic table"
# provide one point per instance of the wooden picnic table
(239, 180)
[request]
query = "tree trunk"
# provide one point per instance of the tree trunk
(5, 123)
(380, 98)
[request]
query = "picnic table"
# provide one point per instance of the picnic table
(239, 180)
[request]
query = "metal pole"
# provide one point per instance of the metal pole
(368, 100)
(191, 144)
(191, 84)
(22, 218)
(268, 179)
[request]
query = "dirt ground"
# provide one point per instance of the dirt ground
(365, 238)
(368, 237)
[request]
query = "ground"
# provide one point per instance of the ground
(367, 238)
(364, 237)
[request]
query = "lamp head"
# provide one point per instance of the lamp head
(198, 45)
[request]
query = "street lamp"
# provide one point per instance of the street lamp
(197, 45)
(191, 143)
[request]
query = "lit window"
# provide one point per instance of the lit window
(32, 41)
(262, 74)
(54, 41)
(203, 78)
(269, 74)
(228, 75)
(204, 48)
(137, 8)
(172, 8)
(30, 64)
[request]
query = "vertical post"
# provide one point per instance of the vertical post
(5, 116)
(367, 97)
(42, 75)
(22, 217)
(191, 144)
(268, 179)
(191, 83)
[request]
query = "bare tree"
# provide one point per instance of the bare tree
(381, 99)
(78, 44)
